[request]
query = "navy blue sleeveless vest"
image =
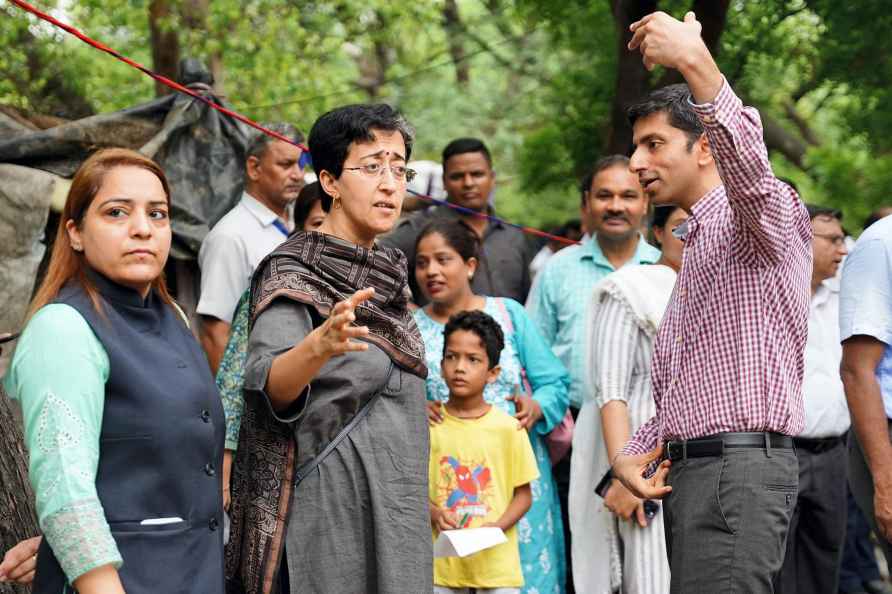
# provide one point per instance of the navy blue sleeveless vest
(160, 450)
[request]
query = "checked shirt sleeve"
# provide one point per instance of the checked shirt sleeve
(767, 212)
(644, 440)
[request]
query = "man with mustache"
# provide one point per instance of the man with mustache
(505, 255)
(818, 526)
(613, 208)
(260, 221)
(728, 359)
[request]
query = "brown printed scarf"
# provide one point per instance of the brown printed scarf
(320, 270)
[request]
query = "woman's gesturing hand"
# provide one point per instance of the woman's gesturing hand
(434, 412)
(333, 338)
(527, 410)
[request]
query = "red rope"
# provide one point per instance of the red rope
(237, 116)
(162, 79)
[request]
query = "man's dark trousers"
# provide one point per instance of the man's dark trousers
(859, 562)
(861, 482)
(818, 527)
(727, 518)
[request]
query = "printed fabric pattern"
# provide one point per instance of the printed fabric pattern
(539, 533)
(231, 373)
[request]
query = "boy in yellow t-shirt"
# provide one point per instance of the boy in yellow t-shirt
(481, 462)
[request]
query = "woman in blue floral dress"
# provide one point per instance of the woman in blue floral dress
(445, 262)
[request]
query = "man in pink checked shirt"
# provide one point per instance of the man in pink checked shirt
(728, 359)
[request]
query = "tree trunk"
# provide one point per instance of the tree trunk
(195, 17)
(633, 79)
(165, 44)
(631, 75)
(453, 26)
(18, 519)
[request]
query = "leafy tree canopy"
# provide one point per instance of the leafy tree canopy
(544, 83)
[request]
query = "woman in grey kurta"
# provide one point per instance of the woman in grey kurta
(331, 471)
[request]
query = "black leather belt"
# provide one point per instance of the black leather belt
(715, 445)
(817, 445)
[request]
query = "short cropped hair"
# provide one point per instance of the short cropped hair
(460, 146)
(675, 102)
(481, 324)
(261, 141)
(334, 132)
(815, 211)
(600, 165)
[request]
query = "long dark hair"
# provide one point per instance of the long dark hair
(457, 234)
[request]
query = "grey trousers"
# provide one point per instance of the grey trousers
(861, 483)
(818, 528)
(726, 520)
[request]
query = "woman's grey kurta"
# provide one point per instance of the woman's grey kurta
(359, 519)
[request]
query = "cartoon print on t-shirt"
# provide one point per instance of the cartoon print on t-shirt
(466, 491)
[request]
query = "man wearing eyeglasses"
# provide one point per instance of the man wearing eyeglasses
(469, 179)
(818, 525)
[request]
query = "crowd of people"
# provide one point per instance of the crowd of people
(672, 404)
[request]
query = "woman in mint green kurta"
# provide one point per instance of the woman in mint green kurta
(62, 393)
(445, 260)
(122, 419)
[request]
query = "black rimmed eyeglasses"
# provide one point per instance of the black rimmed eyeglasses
(376, 170)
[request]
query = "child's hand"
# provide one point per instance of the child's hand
(442, 519)
(528, 412)
(434, 412)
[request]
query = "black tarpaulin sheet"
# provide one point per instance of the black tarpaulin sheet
(201, 150)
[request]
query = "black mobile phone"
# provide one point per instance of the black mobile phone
(604, 485)
(651, 509)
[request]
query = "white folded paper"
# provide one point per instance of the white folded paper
(461, 543)
(160, 521)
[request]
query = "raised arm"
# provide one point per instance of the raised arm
(768, 214)
(281, 372)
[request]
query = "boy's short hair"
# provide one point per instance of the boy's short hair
(481, 324)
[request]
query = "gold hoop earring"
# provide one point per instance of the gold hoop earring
(336, 203)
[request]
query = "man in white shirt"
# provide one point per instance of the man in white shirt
(817, 529)
(246, 234)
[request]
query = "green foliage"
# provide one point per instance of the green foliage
(542, 77)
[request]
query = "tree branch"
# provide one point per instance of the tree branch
(453, 27)
(804, 129)
(778, 139)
